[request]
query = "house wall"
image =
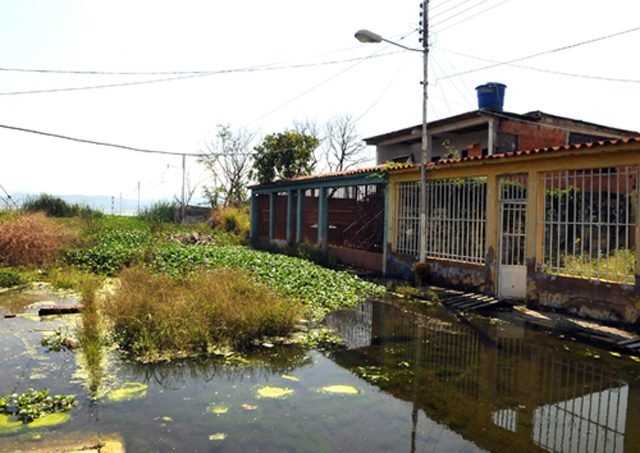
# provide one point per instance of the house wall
(596, 299)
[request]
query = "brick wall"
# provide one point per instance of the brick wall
(534, 137)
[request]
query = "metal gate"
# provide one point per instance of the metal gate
(512, 270)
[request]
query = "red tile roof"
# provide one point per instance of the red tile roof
(465, 159)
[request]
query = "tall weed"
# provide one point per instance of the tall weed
(153, 314)
(231, 220)
(32, 239)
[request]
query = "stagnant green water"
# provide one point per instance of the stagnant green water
(410, 379)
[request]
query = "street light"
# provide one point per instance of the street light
(366, 36)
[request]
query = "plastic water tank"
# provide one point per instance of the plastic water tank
(491, 96)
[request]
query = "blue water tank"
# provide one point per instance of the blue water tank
(491, 96)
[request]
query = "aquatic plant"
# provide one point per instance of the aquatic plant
(321, 339)
(157, 313)
(33, 404)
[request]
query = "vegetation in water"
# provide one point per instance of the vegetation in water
(151, 312)
(33, 404)
(321, 339)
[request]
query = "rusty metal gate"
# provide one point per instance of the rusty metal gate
(512, 270)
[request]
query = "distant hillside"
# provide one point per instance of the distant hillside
(104, 203)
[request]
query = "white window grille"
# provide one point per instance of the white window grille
(456, 219)
(589, 223)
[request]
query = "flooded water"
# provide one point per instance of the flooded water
(410, 379)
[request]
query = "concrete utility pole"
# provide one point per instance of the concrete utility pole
(424, 23)
(367, 36)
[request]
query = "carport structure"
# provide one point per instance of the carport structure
(342, 213)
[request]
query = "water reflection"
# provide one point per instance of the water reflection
(504, 389)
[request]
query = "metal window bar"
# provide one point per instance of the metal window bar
(589, 222)
(456, 219)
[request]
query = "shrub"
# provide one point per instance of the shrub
(32, 240)
(49, 204)
(11, 277)
(162, 211)
(231, 220)
(155, 313)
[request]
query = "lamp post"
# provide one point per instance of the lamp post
(366, 36)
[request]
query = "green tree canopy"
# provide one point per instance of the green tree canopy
(283, 155)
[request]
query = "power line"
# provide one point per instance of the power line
(559, 49)
(189, 75)
(550, 71)
(93, 142)
(470, 17)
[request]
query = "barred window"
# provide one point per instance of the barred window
(456, 219)
(589, 221)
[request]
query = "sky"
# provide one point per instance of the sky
(262, 65)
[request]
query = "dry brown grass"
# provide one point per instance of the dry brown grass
(156, 314)
(32, 239)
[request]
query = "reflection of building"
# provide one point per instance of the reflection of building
(501, 390)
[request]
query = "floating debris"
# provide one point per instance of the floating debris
(291, 378)
(340, 389)
(274, 392)
(249, 407)
(218, 436)
(129, 391)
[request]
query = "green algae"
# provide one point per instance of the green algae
(218, 409)
(56, 418)
(340, 389)
(274, 392)
(129, 391)
(10, 424)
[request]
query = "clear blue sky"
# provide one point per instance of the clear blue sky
(300, 60)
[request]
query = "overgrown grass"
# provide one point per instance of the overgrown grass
(232, 220)
(157, 312)
(32, 240)
(160, 212)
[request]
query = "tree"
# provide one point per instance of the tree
(343, 146)
(227, 156)
(283, 155)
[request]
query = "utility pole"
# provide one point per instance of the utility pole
(182, 207)
(424, 23)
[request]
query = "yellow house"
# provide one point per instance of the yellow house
(555, 226)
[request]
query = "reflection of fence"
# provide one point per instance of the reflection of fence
(592, 421)
(589, 223)
(492, 379)
(456, 218)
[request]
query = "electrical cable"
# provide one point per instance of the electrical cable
(550, 71)
(559, 49)
(474, 15)
(190, 75)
